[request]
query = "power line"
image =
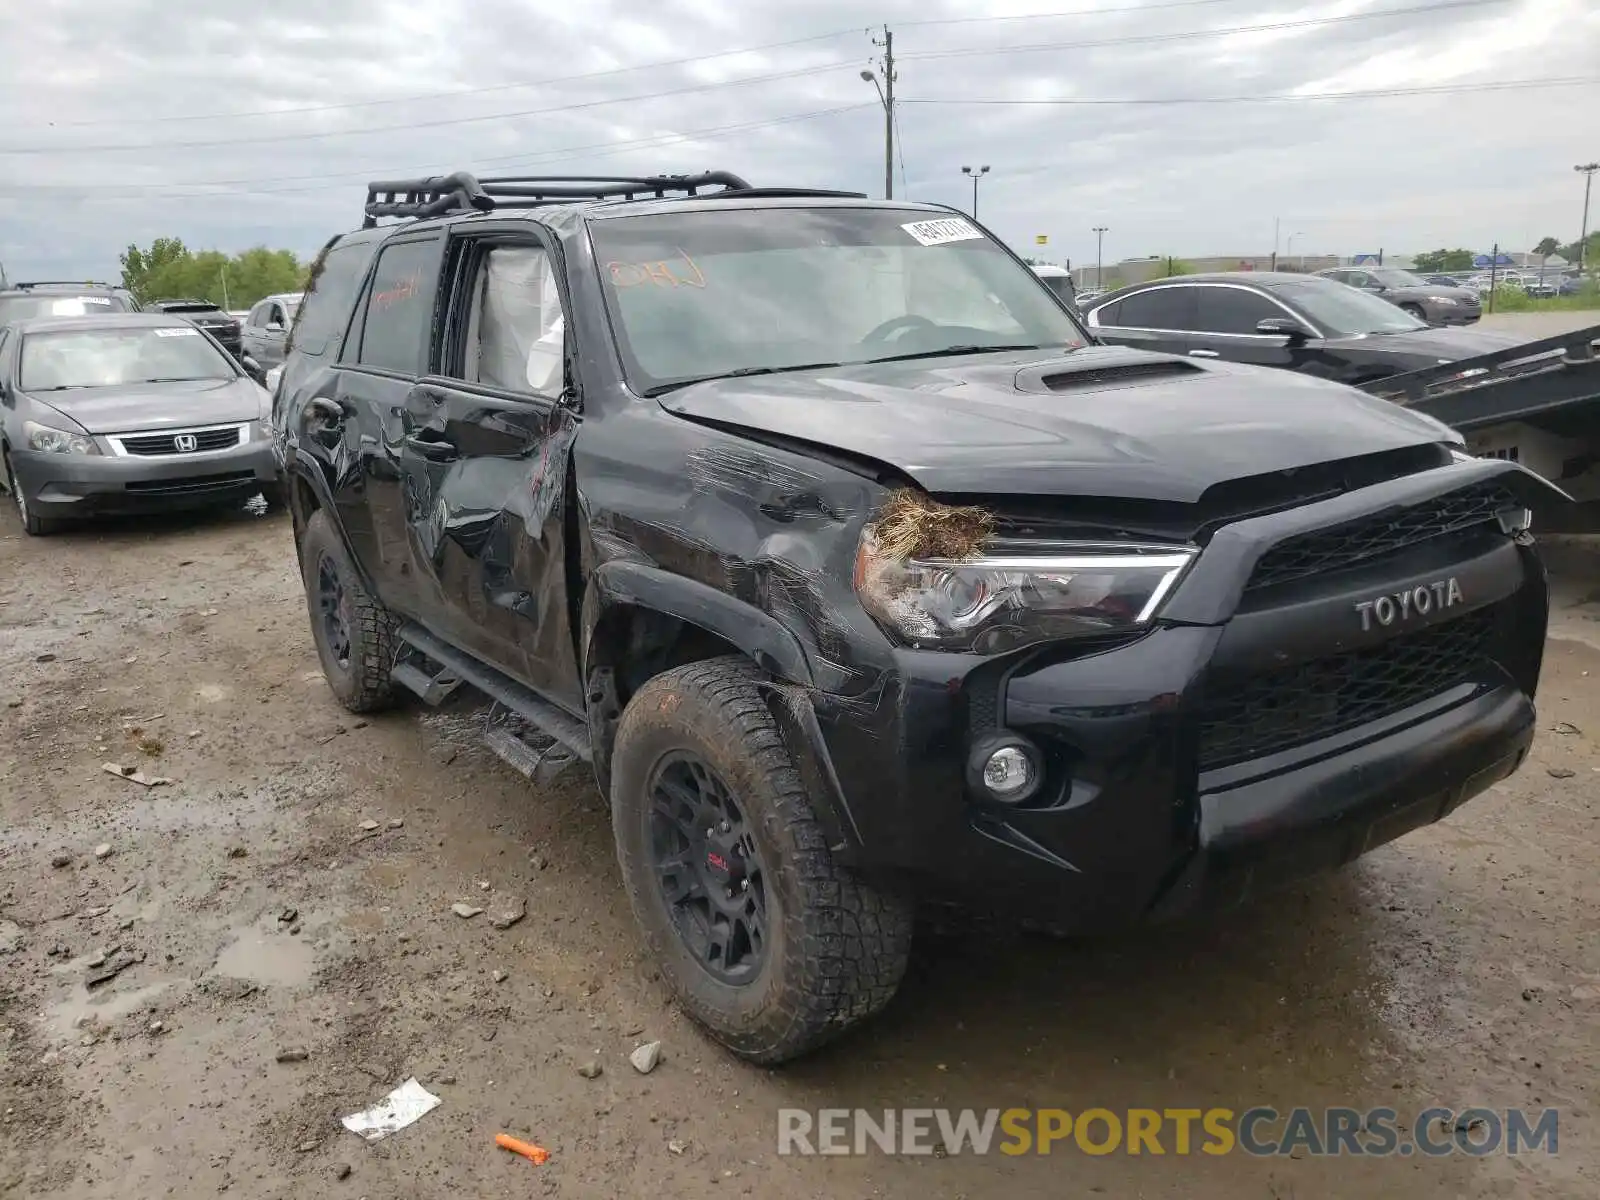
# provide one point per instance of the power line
(525, 158)
(428, 96)
(1442, 89)
(1198, 33)
(1074, 12)
(434, 124)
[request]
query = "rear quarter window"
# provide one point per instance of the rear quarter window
(324, 314)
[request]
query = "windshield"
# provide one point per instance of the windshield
(1391, 277)
(744, 291)
(56, 304)
(1342, 311)
(86, 358)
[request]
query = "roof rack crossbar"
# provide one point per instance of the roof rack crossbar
(441, 195)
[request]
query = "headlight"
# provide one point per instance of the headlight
(57, 441)
(1444, 300)
(1018, 596)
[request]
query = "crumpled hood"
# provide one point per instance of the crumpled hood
(1101, 421)
(132, 407)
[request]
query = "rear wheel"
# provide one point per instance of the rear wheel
(767, 942)
(32, 524)
(354, 633)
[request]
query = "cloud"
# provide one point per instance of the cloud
(115, 124)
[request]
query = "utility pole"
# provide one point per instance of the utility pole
(886, 97)
(977, 173)
(1588, 170)
(1276, 222)
(1099, 258)
(222, 272)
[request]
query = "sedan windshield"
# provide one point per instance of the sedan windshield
(54, 360)
(1341, 311)
(1393, 277)
(56, 304)
(708, 294)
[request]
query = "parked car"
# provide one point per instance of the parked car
(207, 316)
(858, 574)
(1313, 325)
(1430, 302)
(1087, 296)
(126, 413)
(20, 301)
(1445, 280)
(266, 328)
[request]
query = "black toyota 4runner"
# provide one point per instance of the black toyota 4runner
(861, 575)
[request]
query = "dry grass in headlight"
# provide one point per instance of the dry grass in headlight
(914, 525)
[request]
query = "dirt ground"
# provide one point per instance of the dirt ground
(1459, 966)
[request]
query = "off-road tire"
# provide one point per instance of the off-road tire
(32, 524)
(837, 946)
(361, 682)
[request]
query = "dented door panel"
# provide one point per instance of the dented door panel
(484, 481)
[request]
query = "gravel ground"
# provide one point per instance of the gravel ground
(257, 916)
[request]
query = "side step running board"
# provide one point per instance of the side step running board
(548, 718)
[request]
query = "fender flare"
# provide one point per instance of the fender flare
(757, 634)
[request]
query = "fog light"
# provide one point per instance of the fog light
(1005, 767)
(1007, 772)
(1515, 520)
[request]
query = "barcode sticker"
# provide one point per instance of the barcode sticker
(946, 229)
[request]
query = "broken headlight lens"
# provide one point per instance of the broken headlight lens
(1017, 596)
(57, 441)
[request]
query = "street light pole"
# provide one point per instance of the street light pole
(1099, 259)
(1289, 253)
(886, 98)
(977, 173)
(1588, 170)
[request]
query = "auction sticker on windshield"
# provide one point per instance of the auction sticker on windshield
(946, 229)
(177, 333)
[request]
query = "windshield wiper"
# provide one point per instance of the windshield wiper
(180, 378)
(61, 387)
(736, 373)
(951, 351)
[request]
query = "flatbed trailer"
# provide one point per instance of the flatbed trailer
(1537, 404)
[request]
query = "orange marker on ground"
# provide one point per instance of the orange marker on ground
(536, 1154)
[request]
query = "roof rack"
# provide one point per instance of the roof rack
(441, 195)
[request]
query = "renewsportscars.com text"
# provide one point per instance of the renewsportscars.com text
(1259, 1131)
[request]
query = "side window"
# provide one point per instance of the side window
(1358, 279)
(515, 331)
(1107, 314)
(254, 320)
(399, 313)
(1159, 308)
(325, 312)
(1231, 310)
(275, 315)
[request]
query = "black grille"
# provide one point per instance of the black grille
(1277, 710)
(1340, 546)
(166, 443)
(195, 486)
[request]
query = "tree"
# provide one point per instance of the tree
(1591, 256)
(169, 270)
(1433, 261)
(1546, 247)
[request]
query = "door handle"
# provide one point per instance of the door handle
(1202, 354)
(433, 450)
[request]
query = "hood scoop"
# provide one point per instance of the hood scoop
(1056, 377)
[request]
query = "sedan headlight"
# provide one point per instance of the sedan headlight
(57, 441)
(1017, 596)
(1447, 301)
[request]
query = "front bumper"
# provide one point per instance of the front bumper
(85, 485)
(1460, 314)
(1140, 818)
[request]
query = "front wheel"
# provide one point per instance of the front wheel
(354, 633)
(767, 942)
(32, 524)
(1415, 310)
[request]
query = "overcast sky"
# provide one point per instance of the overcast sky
(231, 125)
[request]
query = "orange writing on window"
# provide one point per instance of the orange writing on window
(405, 289)
(660, 273)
